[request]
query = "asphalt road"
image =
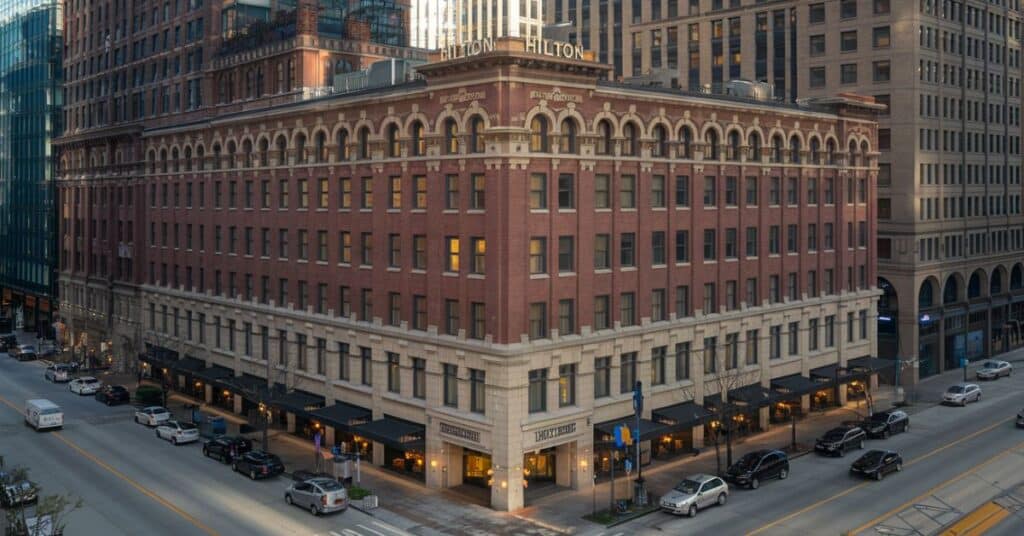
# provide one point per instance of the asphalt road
(134, 483)
(946, 447)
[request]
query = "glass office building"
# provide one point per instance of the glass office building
(30, 117)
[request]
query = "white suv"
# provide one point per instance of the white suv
(86, 385)
(178, 432)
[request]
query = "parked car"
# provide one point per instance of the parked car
(756, 466)
(58, 373)
(15, 490)
(694, 493)
(838, 440)
(152, 415)
(993, 370)
(303, 475)
(113, 395)
(23, 352)
(226, 448)
(885, 423)
(877, 463)
(961, 394)
(1020, 419)
(258, 464)
(318, 495)
(86, 385)
(8, 341)
(178, 432)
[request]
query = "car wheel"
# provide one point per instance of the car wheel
(861, 445)
(978, 398)
(206, 452)
(783, 474)
(842, 451)
(234, 467)
(721, 499)
(252, 474)
(693, 511)
(314, 510)
(885, 434)
(754, 483)
(137, 421)
(906, 426)
(158, 434)
(174, 441)
(109, 403)
(288, 499)
(899, 467)
(963, 403)
(879, 474)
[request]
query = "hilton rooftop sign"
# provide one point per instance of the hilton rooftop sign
(535, 45)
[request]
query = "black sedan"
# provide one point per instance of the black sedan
(885, 423)
(226, 448)
(113, 395)
(258, 464)
(877, 463)
(841, 439)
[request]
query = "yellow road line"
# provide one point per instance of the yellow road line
(847, 491)
(979, 521)
(139, 487)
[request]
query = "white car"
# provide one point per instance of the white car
(86, 385)
(152, 415)
(58, 373)
(993, 370)
(961, 394)
(178, 432)
(694, 493)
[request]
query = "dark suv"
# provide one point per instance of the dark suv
(226, 448)
(756, 466)
(113, 395)
(258, 464)
(885, 423)
(838, 440)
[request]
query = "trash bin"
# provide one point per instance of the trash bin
(341, 468)
(218, 426)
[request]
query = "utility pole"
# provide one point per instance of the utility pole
(640, 495)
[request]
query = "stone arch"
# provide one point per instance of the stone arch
(263, 149)
(997, 281)
(247, 151)
(686, 135)
(977, 284)
(605, 115)
(187, 154)
(734, 141)
(444, 115)
(632, 131)
(928, 293)
(952, 290)
(412, 118)
(658, 120)
(320, 141)
(660, 140)
(711, 125)
(1017, 277)
(604, 133)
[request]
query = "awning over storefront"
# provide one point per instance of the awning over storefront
(246, 385)
(189, 365)
(648, 428)
(754, 395)
(342, 416)
(870, 364)
(395, 433)
(828, 375)
(214, 374)
(681, 416)
(297, 402)
(794, 385)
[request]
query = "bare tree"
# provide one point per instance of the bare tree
(723, 373)
(48, 517)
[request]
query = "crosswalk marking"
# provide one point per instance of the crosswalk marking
(395, 530)
(364, 527)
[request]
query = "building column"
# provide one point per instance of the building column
(805, 404)
(452, 471)
(764, 418)
(507, 493)
(584, 463)
(433, 453)
(698, 436)
(238, 404)
(842, 395)
(378, 454)
(989, 351)
(207, 393)
(290, 420)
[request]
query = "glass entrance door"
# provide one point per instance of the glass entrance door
(540, 466)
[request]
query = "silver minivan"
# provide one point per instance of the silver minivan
(318, 495)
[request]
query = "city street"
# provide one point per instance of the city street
(955, 459)
(132, 483)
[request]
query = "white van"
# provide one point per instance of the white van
(42, 414)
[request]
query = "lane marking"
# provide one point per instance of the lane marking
(848, 491)
(389, 528)
(350, 532)
(364, 527)
(335, 533)
(139, 487)
(935, 488)
(979, 521)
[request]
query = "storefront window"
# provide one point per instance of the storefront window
(476, 468)
(539, 467)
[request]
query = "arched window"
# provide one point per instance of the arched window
(451, 136)
(321, 146)
(631, 139)
(794, 149)
(216, 156)
(232, 150)
(995, 286)
(163, 160)
(282, 151)
(300, 149)
(660, 149)
(1016, 277)
(852, 156)
(830, 152)
(567, 140)
(974, 286)
(951, 292)
(418, 143)
(289, 75)
(777, 149)
(711, 145)
(754, 142)
(604, 141)
(201, 157)
(734, 145)
(342, 142)
(264, 152)
(247, 153)
(476, 136)
(364, 143)
(152, 162)
(188, 158)
(685, 142)
(865, 157)
(539, 134)
(926, 298)
(279, 83)
(394, 149)
(815, 151)
(174, 159)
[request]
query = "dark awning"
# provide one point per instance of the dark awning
(794, 385)
(245, 385)
(828, 374)
(189, 365)
(342, 416)
(681, 416)
(395, 433)
(297, 402)
(648, 428)
(870, 364)
(754, 395)
(214, 373)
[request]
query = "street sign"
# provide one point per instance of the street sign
(628, 465)
(623, 436)
(963, 362)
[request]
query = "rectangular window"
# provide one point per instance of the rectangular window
(658, 355)
(682, 191)
(602, 252)
(566, 317)
(731, 193)
(478, 320)
(366, 365)
(775, 342)
(658, 191)
(627, 249)
(477, 198)
(602, 312)
(538, 255)
(710, 192)
(627, 308)
(682, 361)
(343, 358)
(602, 191)
(753, 336)
(566, 254)
(538, 402)
(658, 305)
(627, 191)
(452, 251)
(794, 338)
(567, 385)
(366, 246)
(419, 200)
(538, 321)
(366, 194)
(682, 246)
(710, 245)
(710, 355)
(451, 192)
(477, 391)
(345, 193)
(395, 193)
(451, 385)
(812, 334)
(683, 301)
(751, 189)
(566, 191)
(710, 298)
(538, 191)
(627, 372)
(419, 378)
(602, 377)
(419, 313)
(345, 247)
(394, 373)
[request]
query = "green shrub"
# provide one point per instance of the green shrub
(149, 395)
(357, 493)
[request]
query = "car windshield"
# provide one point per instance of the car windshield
(187, 426)
(50, 411)
(835, 435)
(991, 364)
(688, 486)
(955, 389)
(872, 457)
(328, 485)
(749, 461)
